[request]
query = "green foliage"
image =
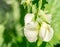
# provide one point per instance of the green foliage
(53, 7)
(12, 22)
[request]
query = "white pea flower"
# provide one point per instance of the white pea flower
(31, 32)
(46, 17)
(28, 18)
(46, 32)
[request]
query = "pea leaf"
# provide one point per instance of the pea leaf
(53, 7)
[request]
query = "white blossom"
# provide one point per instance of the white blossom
(31, 32)
(46, 32)
(28, 18)
(46, 17)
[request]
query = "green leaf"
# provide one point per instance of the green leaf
(53, 7)
(56, 26)
(49, 45)
(23, 1)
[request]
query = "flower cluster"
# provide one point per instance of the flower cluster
(32, 29)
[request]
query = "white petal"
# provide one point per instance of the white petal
(42, 31)
(28, 18)
(48, 17)
(46, 32)
(30, 32)
(30, 35)
(49, 34)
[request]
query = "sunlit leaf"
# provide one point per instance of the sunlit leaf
(53, 7)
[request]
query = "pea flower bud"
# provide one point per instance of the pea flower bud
(31, 32)
(48, 17)
(44, 16)
(46, 32)
(28, 18)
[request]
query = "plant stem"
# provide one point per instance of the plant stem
(40, 4)
(27, 44)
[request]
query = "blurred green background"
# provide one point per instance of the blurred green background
(12, 24)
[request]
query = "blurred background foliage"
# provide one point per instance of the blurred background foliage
(12, 14)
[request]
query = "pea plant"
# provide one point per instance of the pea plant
(29, 23)
(40, 22)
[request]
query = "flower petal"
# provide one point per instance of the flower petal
(31, 32)
(28, 18)
(30, 35)
(42, 31)
(46, 32)
(49, 34)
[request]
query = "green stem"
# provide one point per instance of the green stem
(27, 44)
(28, 7)
(39, 42)
(40, 4)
